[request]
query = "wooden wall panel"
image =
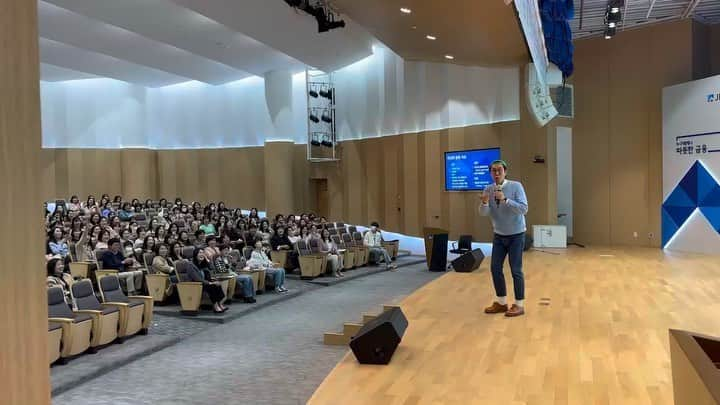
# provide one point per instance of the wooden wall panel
(391, 158)
(617, 131)
(24, 373)
(279, 187)
(139, 173)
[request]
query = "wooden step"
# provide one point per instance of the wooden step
(351, 329)
(336, 339)
(368, 317)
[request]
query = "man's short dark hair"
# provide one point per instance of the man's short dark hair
(113, 241)
(210, 238)
(375, 224)
(199, 232)
(499, 162)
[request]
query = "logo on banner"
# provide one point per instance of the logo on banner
(713, 98)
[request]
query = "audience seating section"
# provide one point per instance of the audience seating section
(105, 318)
(135, 311)
(76, 328)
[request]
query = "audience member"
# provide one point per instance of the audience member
(199, 270)
(114, 259)
(274, 273)
(373, 240)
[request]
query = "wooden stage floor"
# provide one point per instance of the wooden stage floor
(602, 340)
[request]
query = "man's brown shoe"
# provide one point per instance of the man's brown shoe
(515, 311)
(496, 308)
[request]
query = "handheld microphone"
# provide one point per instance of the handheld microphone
(498, 187)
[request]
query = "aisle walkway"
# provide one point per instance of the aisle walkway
(272, 356)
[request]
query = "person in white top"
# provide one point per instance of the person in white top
(273, 271)
(373, 240)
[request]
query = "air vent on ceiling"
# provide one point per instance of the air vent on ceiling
(563, 100)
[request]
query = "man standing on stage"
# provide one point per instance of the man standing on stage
(506, 203)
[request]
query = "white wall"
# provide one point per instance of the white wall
(386, 95)
(380, 95)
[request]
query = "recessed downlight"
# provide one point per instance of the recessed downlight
(449, 57)
(405, 10)
(431, 37)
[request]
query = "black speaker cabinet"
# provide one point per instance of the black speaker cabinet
(468, 262)
(377, 340)
(436, 241)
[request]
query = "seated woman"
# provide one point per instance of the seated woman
(103, 240)
(184, 239)
(280, 241)
(211, 250)
(258, 259)
(162, 263)
(222, 267)
(148, 245)
(74, 204)
(200, 271)
(265, 232)
(57, 246)
(175, 253)
(56, 277)
(335, 260)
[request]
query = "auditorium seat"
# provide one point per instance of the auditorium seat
(352, 229)
(311, 265)
(54, 341)
(280, 256)
(76, 328)
(314, 245)
(158, 284)
(190, 292)
(360, 253)
(357, 241)
(392, 247)
(348, 255)
(187, 252)
(105, 318)
(332, 231)
(79, 270)
(135, 310)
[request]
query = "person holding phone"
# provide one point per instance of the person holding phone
(506, 204)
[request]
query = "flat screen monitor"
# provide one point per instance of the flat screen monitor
(469, 170)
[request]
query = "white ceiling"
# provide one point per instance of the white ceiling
(589, 18)
(160, 42)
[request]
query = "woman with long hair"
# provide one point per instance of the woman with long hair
(199, 270)
(56, 277)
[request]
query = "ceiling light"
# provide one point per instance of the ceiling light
(449, 57)
(430, 37)
(414, 27)
(614, 9)
(406, 10)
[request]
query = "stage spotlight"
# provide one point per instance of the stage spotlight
(314, 117)
(326, 141)
(326, 117)
(614, 9)
(326, 93)
(612, 24)
(314, 140)
(313, 93)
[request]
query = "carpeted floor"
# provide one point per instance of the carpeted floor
(271, 356)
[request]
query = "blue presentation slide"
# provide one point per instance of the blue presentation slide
(469, 170)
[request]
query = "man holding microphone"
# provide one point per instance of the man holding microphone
(506, 204)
